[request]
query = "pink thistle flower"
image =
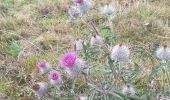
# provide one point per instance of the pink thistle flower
(54, 75)
(68, 59)
(55, 78)
(41, 63)
(43, 66)
(72, 64)
(78, 1)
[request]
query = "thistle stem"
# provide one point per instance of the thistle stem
(166, 74)
(73, 86)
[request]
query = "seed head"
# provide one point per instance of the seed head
(163, 52)
(120, 53)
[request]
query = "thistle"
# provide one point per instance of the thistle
(71, 63)
(96, 40)
(84, 6)
(128, 90)
(79, 44)
(73, 13)
(77, 1)
(43, 66)
(163, 53)
(55, 78)
(120, 53)
(40, 89)
(107, 10)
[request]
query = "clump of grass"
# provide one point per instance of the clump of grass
(131, 23)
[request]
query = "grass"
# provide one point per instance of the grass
(40, 24)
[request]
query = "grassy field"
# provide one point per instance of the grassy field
(37, 29)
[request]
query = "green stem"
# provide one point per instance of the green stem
(73, 86)
(166, 74)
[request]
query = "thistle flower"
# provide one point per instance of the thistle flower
(71, 63)
(79, 44)
(40, 89)
(120, 53)
(96, 40)
(43, 66)
(68, 59)
(73, 13)
(84, 6)
(163, 53)
(107, 10)
(77, 1)
(128, 90)
(55, 78)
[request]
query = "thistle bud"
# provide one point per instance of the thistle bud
(43, 66)
(96, 40)
(128, 90)
(107, 10)
(84, 6)
(73, 13)
(163, 53)
(40, 89)
(120, 53)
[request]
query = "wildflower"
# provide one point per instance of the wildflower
(77, 1)
(43, 66)
(55, 78)
(96, 40)
(107, 10)
(84, 6)
(68, 59)
(79, 44)
(40, 89)
(72, 64)
(120, 53)
(128, 90)
(73, 13)
(163, 53)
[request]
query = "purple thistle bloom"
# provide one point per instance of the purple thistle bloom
(78, 1)
(43, 66)
(54, 75)
(68, 59)
(41, 63)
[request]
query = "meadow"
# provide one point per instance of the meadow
(51, 51)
